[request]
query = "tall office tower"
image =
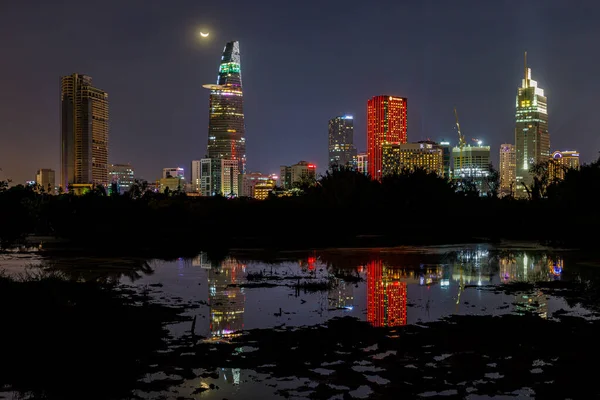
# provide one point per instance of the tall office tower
(508, 165)
(45, 177)
(341, 141)
(386, 296)
(226, 129)
(123, 175)
(386, 123)
(84, 132)
(561, 162)
(532, 140)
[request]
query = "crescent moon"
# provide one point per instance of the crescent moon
(204, 34)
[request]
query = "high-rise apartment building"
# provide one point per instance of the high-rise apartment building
(398, 157)
(341, 141)
(226, 129)
(508, 166)
(560, 162)
(122, 175)
(296, 173)
(532, 140)
(386, 123)
(361, 163)
(46, 179)
(84, 133)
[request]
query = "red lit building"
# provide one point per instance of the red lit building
(386, 296)
(386, 123)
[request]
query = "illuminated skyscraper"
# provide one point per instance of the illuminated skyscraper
(532, 140)
(386, 123)
(386, 296)
(84, 133)
(226, 129)
(341, 141)
(508, 165)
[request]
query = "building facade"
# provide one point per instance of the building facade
(173, 172)
(84, 133)
(196, 176)
(386, 123)
(561, 162)
(532, 140)
(173, 183)
(508, 167)
(297, 173)
(219, 177)
(226, 128)
(399, 157)
(447, 150)
(471, 162)
(341, 141)
(46, 179)
(257, 185)
(361, 163)
(122, 175)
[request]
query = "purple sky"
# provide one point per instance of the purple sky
(303, 62)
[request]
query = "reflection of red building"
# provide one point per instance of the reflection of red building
(386, 123)
(386, 296)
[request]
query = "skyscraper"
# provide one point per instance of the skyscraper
(226, 129)
(508, 165)
(341, 141)
(84, 132)
(386, 123)
(532, 140)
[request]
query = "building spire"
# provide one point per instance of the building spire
(526, 82)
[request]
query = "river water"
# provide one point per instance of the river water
(227, 299)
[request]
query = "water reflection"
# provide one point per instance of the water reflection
(226, 302)
(386, 295)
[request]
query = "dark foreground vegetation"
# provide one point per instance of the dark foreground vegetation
(67, 339)
(342, 208)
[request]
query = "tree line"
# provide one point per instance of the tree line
(340, 208)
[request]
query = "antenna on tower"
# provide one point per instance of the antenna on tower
(526, 85)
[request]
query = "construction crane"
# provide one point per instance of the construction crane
(461, 141)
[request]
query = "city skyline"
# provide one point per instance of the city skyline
(433, 71)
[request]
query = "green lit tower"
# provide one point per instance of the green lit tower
(226, 129)
(532, 140)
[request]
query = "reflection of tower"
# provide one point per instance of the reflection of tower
(386, 296)
(226, 302)
(341, 295)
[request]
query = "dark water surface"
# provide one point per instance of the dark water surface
(276, 328)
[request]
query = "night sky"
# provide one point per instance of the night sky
(303, 62)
